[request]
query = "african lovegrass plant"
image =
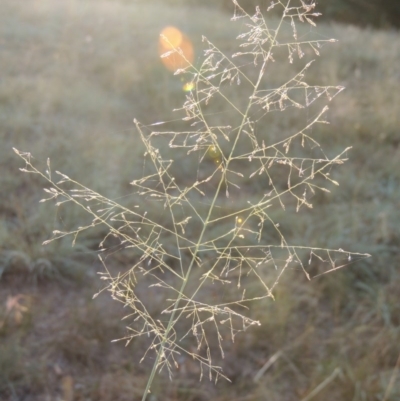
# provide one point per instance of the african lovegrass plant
(203, 232)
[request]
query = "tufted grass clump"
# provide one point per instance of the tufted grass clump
(197, 243)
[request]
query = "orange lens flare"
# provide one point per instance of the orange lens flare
(175, 49)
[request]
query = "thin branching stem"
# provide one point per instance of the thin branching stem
(200, 238)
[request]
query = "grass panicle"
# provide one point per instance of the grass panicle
(197, 243)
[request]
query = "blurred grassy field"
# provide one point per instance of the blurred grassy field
(73, 76)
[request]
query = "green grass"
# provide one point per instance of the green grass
(73, 77)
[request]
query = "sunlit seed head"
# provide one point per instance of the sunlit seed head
(214, 153)
(189, 86)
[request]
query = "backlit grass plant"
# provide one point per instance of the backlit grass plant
(200, 247)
